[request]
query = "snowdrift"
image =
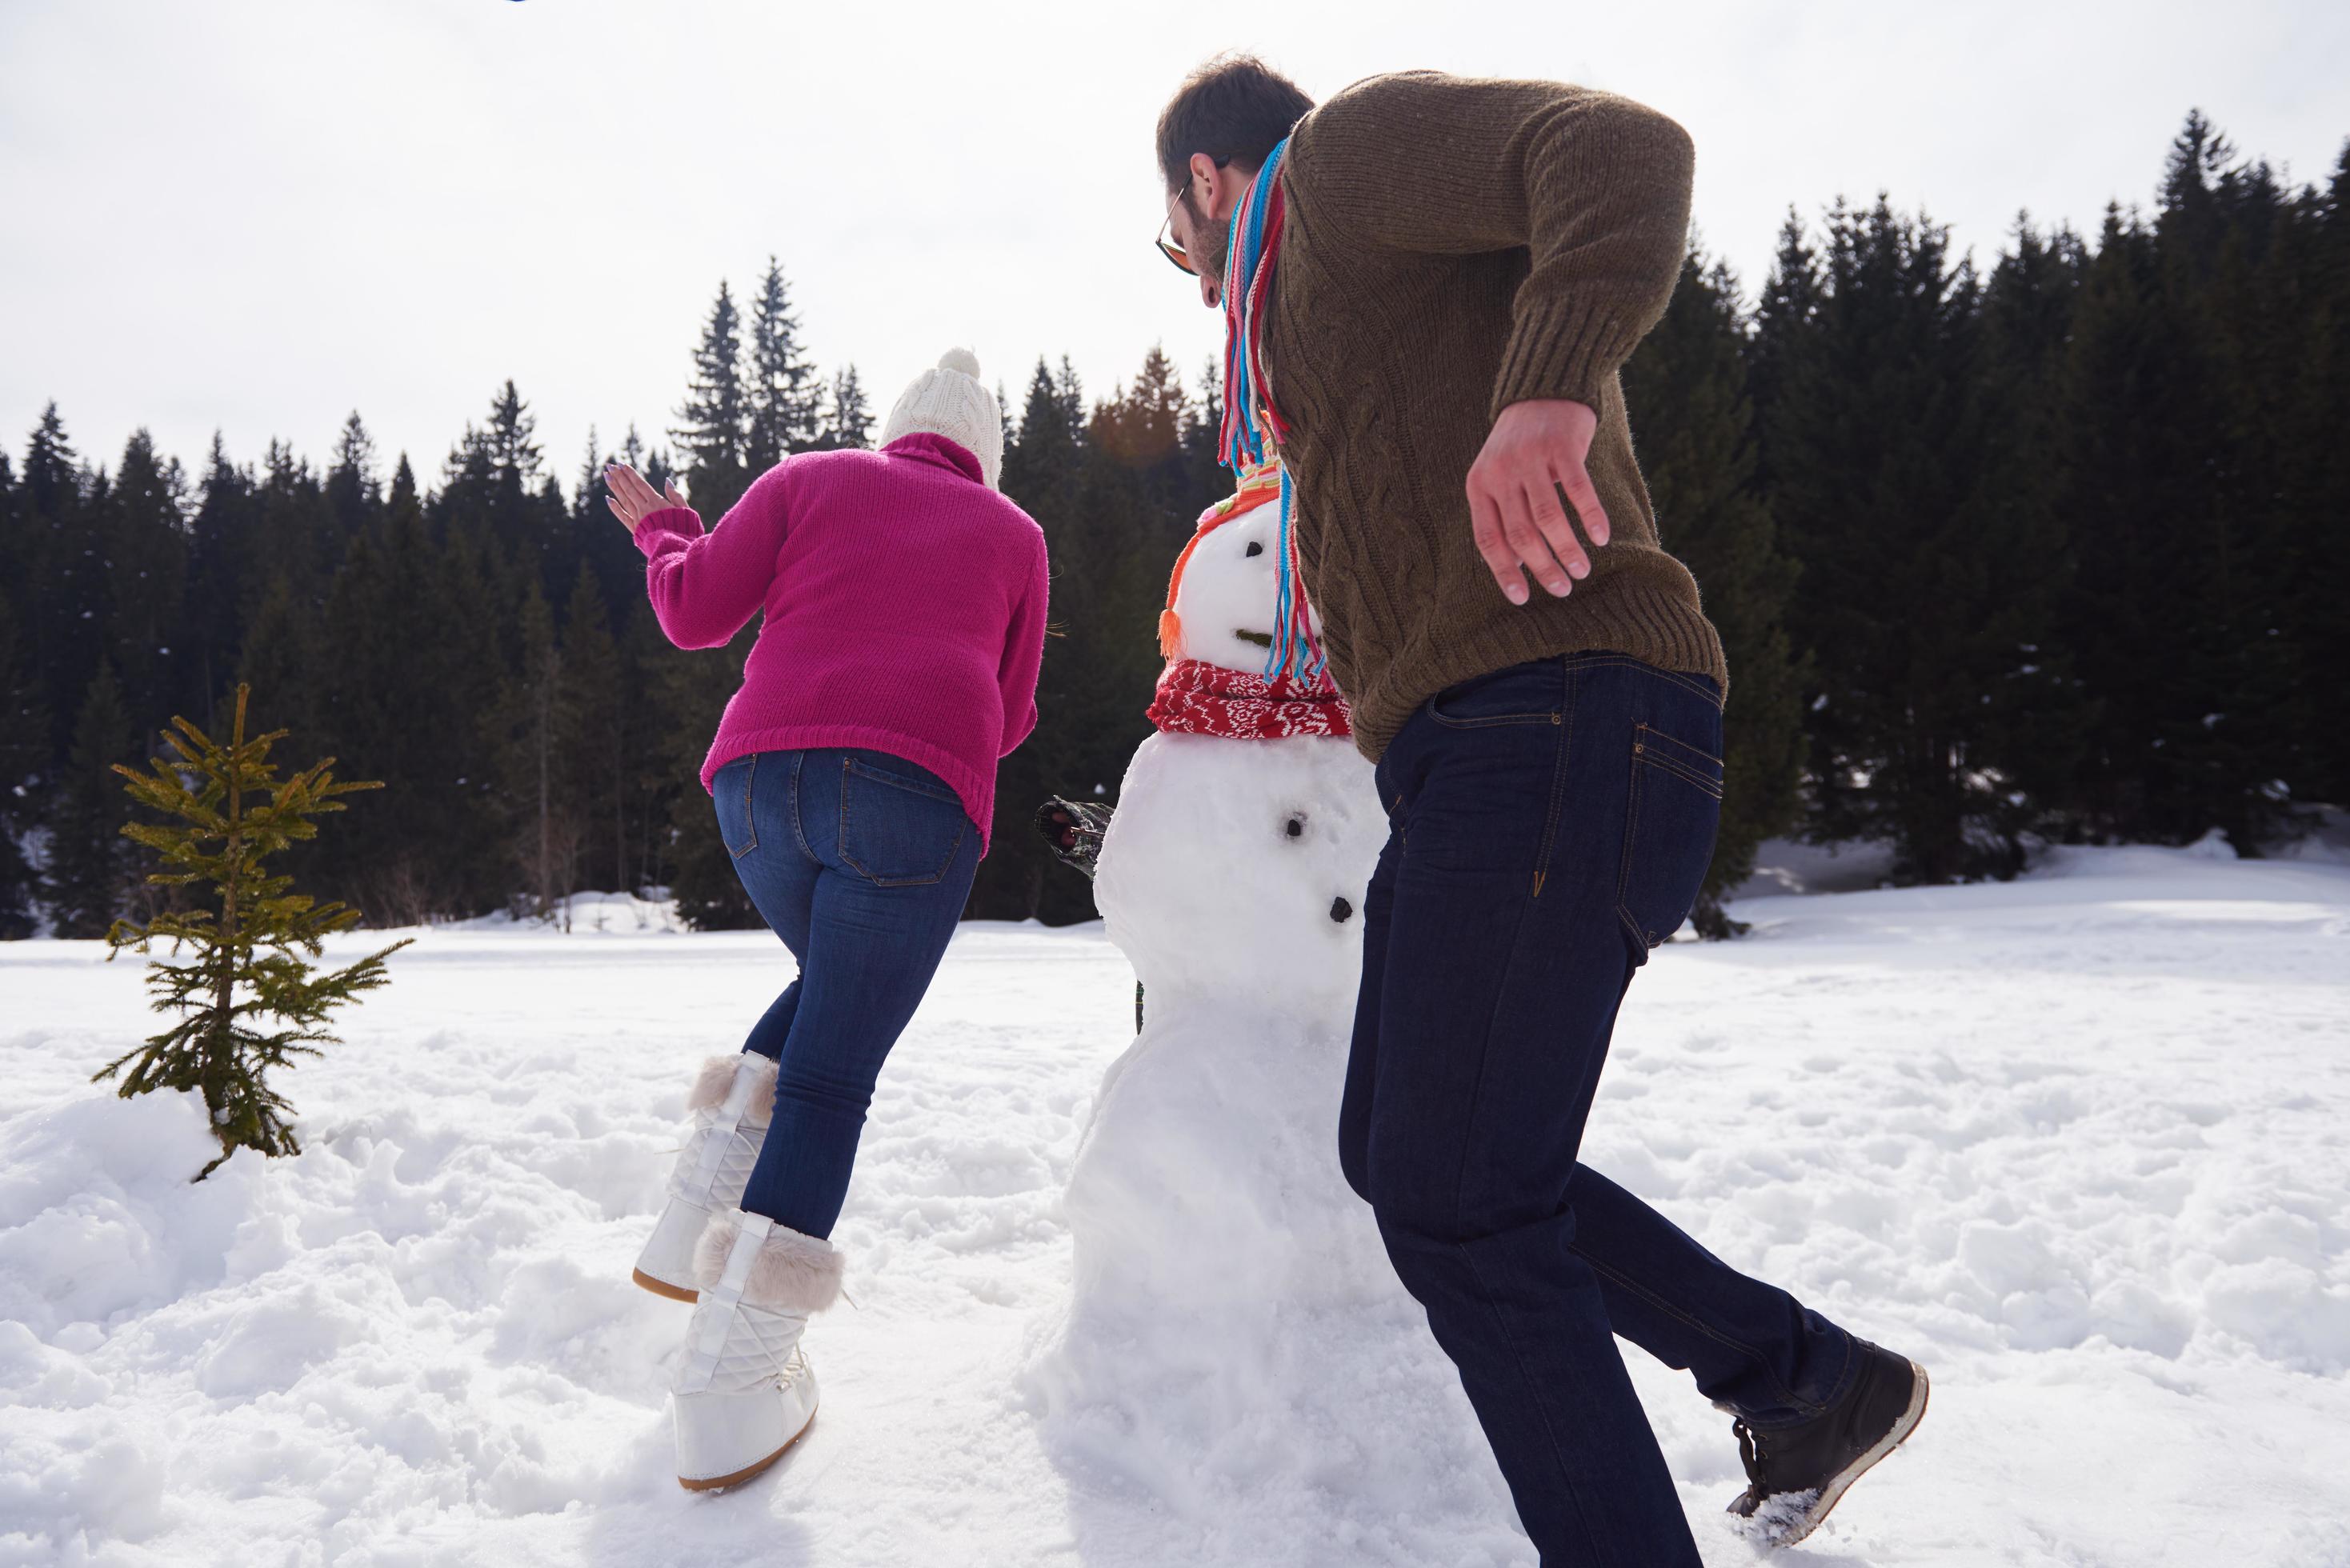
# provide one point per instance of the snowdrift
(2075, 1142)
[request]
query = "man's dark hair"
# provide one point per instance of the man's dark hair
(1236, 108)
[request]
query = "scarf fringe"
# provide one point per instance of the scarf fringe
(1251, 425)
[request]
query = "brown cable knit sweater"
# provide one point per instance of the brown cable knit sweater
(1453, 246)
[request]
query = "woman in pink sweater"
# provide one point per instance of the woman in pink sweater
(854, 777)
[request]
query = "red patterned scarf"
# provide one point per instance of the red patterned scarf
(1196, 697)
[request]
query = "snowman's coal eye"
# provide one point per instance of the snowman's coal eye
(1254, 549)
(1295, 827)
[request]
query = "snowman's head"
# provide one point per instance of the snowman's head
(1225, 600)
(1238, 868)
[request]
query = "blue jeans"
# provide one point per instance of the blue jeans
(1550, 824)
(861, 861)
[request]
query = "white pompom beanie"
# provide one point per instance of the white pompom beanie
(950, 403)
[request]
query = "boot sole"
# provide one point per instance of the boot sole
(663, 1287)
(749, 1473)
(1833, 1493)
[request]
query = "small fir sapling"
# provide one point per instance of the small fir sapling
(248, 999)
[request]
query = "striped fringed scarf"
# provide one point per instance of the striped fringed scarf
(1250, 424)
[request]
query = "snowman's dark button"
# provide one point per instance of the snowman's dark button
(1295, 827)
(1254, 549)
(1341, 910)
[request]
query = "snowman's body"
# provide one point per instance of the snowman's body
(1236, 1328)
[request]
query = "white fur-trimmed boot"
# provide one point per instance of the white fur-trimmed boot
(732, 1100)
(744, 1393)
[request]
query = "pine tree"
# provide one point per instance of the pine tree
(593, 749)
(2218, 228)
(532, 723)
(144, 528)
(714, 414)
(1920, 591)
(1785, 317)
(407, 667)
(2156, 635)
(248, 1001)
(1143, 424)
(657, 776)
(469, 670)
(1686, 386)
(496, 489)
(89, 873)
(64, 623)
(12, 521)
(352, 487)
(2036, 712)
(23, 756)
(220, 552)
(2317, 490)
(677, 699)
(1040, 464)
(509, 442)
(693, 689)
(784, 396)
(1019, 880)
(533, 524)
(294, 534)
(848, 417)
(1069, 396)
(283, 647)
(1202, 435)
(48, 480)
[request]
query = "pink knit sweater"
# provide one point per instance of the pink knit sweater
(905, 605)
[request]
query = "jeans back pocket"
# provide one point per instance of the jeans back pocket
(1669, 821)
(898, 829)
(730, 791)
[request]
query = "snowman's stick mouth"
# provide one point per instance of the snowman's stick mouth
(1261, 639)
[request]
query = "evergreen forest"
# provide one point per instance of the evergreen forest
(2051, 549)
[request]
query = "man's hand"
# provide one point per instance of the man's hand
(631, 499)
(1537, 447)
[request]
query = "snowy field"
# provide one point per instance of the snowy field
(2077, 1143)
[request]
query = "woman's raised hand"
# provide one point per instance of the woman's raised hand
(631, 499)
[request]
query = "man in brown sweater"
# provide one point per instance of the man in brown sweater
(1456, 271)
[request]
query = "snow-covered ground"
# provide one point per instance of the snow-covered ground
(2077, 1143)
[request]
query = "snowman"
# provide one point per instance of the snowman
(1235, 1327)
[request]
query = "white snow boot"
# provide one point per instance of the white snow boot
(734, 1099)
(744, 1393)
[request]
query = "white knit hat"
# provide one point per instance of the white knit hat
(950, 403)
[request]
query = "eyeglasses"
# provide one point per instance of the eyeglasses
(1165, 241)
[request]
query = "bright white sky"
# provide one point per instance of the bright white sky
(257, 216)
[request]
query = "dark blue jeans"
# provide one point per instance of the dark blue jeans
(861, 863)
(1551, 822)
